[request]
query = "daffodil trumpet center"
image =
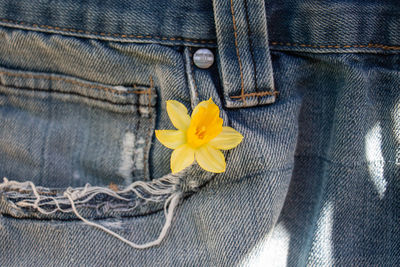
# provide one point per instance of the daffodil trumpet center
(204, 126)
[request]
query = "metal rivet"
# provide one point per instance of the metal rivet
(203, 58)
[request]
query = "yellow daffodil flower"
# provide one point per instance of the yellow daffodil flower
(199, 137)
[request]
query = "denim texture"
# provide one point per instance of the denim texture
(248, 62)
(311, 85)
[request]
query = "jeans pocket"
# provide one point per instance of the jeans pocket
(67, 128)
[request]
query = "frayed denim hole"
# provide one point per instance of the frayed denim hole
(21, 196)
(27, 196)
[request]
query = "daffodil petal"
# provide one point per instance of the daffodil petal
(181, 158)
(210, 159)
(171, 138)
(203, 104)
(178, 114)
(227, 139)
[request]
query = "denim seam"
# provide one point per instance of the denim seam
(146, 170)
(381, 46)
(73, 94)
(119, 35)
(249, 33)
(264, 93)
(192, 69)
(189, 69)
(33, 76)
(237, 50)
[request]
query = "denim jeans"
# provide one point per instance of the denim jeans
(313, 86)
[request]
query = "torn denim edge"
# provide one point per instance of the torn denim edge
(26, 200)
(27, 196)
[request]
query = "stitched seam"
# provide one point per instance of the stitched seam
(249, 33)
(33, 76)
(237, 50)
(146, 170)
(381, 46)
(149, 91)
(192, 69)
(73, 94)
(257, 94)
(119, 35)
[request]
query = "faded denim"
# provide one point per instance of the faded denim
(313, 86)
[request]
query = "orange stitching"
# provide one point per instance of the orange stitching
(381, 46)
(249, 33)
(256, 94)
(147, 92)
(237, 52)
(68, 81)
(108, 34)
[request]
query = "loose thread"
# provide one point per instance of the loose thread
(163, 189)
(168, 212)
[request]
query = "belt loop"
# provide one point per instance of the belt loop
(243, 50)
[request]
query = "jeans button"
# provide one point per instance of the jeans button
(203, 58)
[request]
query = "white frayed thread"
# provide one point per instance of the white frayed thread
(163, 189)
(169, 213)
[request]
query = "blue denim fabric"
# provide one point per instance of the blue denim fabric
(311, 85)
